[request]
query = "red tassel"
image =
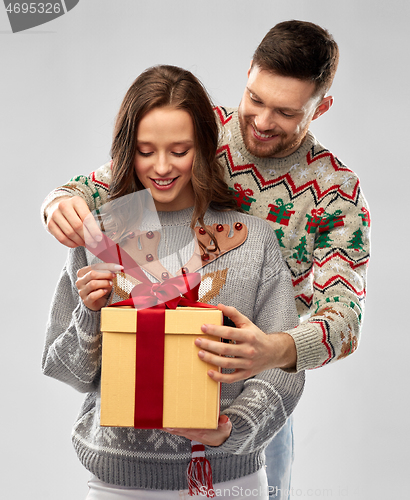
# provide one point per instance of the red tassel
(199, 472)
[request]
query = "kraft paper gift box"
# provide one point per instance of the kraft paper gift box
(191, 399)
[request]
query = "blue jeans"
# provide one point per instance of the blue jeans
(279, 459)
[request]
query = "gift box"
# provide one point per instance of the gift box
(191, 399)
(243, 197)
(280, 212)
(331, 221)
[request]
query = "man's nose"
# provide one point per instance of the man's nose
(264, 121)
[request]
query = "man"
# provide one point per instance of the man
(279, 172)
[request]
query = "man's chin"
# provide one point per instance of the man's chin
(262, 150)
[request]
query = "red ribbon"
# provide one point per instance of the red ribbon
(109, 251)
(150, 300)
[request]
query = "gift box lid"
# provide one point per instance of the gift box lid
(124, 319)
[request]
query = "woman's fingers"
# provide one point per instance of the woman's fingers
(94, 283)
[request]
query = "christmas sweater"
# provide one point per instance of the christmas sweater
(250, 275)
(317, 209)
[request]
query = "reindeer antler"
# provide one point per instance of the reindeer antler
(226, 243)
(146, 256)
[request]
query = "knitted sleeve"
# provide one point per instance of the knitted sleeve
(72, 351)
(267, 399)
(340, 260)
(94, 188)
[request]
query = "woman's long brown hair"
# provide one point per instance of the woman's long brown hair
(158, 87)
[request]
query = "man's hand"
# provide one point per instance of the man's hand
(253, 352)
(65, 220)
(209, 437)
(94, 284)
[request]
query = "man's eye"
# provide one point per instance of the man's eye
(286, 115)
(175, 153)
(253, 99)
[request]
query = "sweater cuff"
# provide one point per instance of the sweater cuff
(309, 348)
(88, 323)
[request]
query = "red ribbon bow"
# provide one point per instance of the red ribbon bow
(181, 290)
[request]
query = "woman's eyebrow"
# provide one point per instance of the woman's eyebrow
(174, 143)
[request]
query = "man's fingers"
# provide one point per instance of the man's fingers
(226, 362)
(238, 318)
(229, 378)
(226, 332)
(225, 349)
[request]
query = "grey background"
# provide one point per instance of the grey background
(61, 85)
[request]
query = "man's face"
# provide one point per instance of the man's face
(275, 113)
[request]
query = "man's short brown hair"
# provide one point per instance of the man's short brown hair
(299, 49)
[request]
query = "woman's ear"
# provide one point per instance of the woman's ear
(324, 106)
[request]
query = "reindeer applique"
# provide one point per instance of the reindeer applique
(143, 248)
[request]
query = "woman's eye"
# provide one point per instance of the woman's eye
(143, 153)
(175, 153)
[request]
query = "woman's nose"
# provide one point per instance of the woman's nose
(163, 166)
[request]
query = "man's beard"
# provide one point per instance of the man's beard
(264, 150)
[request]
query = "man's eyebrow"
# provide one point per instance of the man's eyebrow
(283, 108)
(253, 93)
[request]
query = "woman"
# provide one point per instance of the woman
(165, 139)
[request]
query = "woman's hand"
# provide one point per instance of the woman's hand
(209, 437)
(252, 352)
(65, 220)
(95, 284)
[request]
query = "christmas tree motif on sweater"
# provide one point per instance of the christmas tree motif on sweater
(301, 253)
(314, 219)
(280, 234)
(356, 242)
(243, 196)
(323, 240)
(365, 217)
(280, 212)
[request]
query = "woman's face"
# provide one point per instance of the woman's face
(164, 157)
